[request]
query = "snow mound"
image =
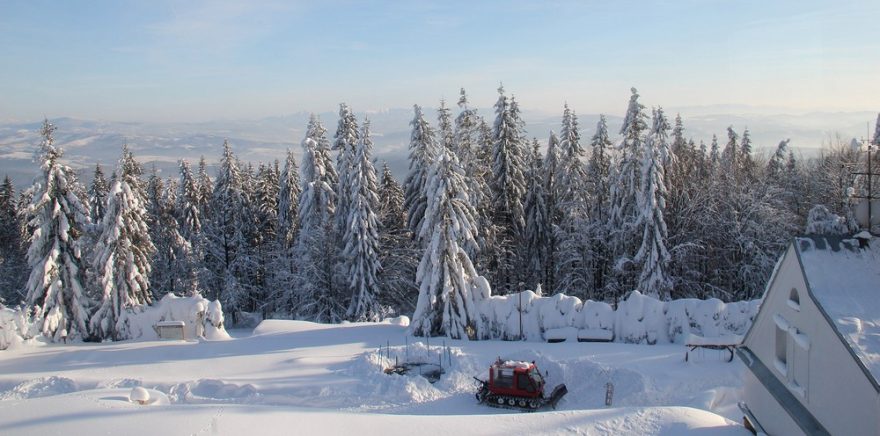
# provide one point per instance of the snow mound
(139, 395)
(212, 391)
(41, 387)
(119, 383)
(402, 321)
(275, 326)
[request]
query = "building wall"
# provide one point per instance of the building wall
(822, 375)
(771, 416)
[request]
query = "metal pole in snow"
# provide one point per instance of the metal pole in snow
(520, 316)
(609, 393)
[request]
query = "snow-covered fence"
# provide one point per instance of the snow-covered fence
(638, 319)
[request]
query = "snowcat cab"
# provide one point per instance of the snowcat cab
(517, 385)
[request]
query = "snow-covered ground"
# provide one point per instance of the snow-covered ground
(293, 377)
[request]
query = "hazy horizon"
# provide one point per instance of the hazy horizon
(207, 61)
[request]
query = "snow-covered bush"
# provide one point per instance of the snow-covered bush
(821, 221)
(15, 326)
(203, 318)
(641, 318)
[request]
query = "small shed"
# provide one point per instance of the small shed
(170, 330)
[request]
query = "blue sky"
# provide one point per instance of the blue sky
(192, 61)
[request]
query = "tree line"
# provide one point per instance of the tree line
(332, 239)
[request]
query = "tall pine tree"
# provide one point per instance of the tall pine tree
(13, 262)
(361, 238)
(315, 297)
(57, 216)
(653, 257)
(123, 255)
(423, 151)
(450, 290)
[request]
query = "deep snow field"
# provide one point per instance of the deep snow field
(294, 377)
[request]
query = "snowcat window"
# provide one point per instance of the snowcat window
(536, 377)
(523, 383)
(505, 378)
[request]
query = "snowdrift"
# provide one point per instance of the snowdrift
(638, 319)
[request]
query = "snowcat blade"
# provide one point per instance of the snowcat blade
(558, 393)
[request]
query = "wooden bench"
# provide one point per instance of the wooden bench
(723, 342)
(729, 347)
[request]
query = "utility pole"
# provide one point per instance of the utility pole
(869, 194)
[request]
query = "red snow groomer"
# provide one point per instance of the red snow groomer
(517, 385)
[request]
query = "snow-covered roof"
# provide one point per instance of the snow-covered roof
(844, 279)
(170, 324)
(516, 364)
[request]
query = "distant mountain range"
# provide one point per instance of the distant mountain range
(88, 142)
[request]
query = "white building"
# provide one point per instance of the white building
(813, 351)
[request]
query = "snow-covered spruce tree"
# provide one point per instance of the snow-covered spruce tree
(624, 196)
(57, 216)
(747, 166)
(599, 172)
(98, 195)
(344, 143)
(13, 261)
(487, 252)
(446, 136)
(687, 202)
(572, 173)
(422, 153)
(703, 161)
(288, 201)
(714, 155)
(281, 269)
(653, 258)
(550, 169)
(466, 133)
(205, 189)
(265, 243)
(314, 296)
(776, 165)
(226, 235)
(730, 156)
(187, 207)
(398, 252)
(537, 231)
(267, 184)
(508, 186)
(123, 255)
(361, 253)
(598, 188)
(679, 143)
(472, 152)
(574, 253)
(449, 288)
(174, 269)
